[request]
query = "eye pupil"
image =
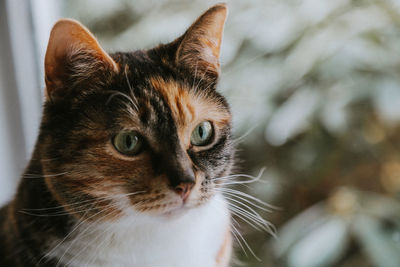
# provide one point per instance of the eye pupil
(129, 142)
(201, 132)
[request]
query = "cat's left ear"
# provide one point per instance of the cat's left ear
(199, 47)
(74, 57)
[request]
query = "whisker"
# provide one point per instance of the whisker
(73, 206)
(195, 75)
(252, 178)
(50, 159)
(35, 176)
(102, 242)
(245, 243)
(232, 182)
(64, 206)
(134, 99)
(117, 93)
(245, 200)
(83, 234)
(238, 214)
(83, 231)
(241, 204)
(79, 223)
(253, 216)
(243, 194)
(235, 233)
(64, 239)
(65, 213)
(200, 78)
(79, 236)
(99, 245)
(240, 138)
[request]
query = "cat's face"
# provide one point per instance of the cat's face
(143, 130)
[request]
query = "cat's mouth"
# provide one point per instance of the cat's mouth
(167, 201)
(176, 208)
(179, 208)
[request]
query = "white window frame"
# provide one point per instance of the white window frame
(24, 29)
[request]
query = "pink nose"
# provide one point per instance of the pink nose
(184, 190)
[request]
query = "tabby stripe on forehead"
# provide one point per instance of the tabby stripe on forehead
(178, 99)
(163, 121)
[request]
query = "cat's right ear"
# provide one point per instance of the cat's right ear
(74, 56)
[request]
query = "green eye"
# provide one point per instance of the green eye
(127, 143)
(202, 134)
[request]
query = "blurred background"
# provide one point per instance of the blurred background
(314, 87)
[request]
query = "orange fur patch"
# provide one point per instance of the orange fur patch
(224, 253)
(189, 108)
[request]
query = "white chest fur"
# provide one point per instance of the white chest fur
(191, 239)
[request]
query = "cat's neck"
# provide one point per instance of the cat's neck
(193, 238)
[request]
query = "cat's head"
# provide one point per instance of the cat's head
(143, 130)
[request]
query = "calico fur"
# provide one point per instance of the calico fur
(81, 202)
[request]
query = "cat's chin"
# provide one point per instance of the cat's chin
(176, 212)
(180, 210)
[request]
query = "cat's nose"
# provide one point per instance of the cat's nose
(184, 190)
(183, 182)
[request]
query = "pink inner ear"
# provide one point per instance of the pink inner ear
(67, 37)
(201, 44)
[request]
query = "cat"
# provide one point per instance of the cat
(125, 168)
